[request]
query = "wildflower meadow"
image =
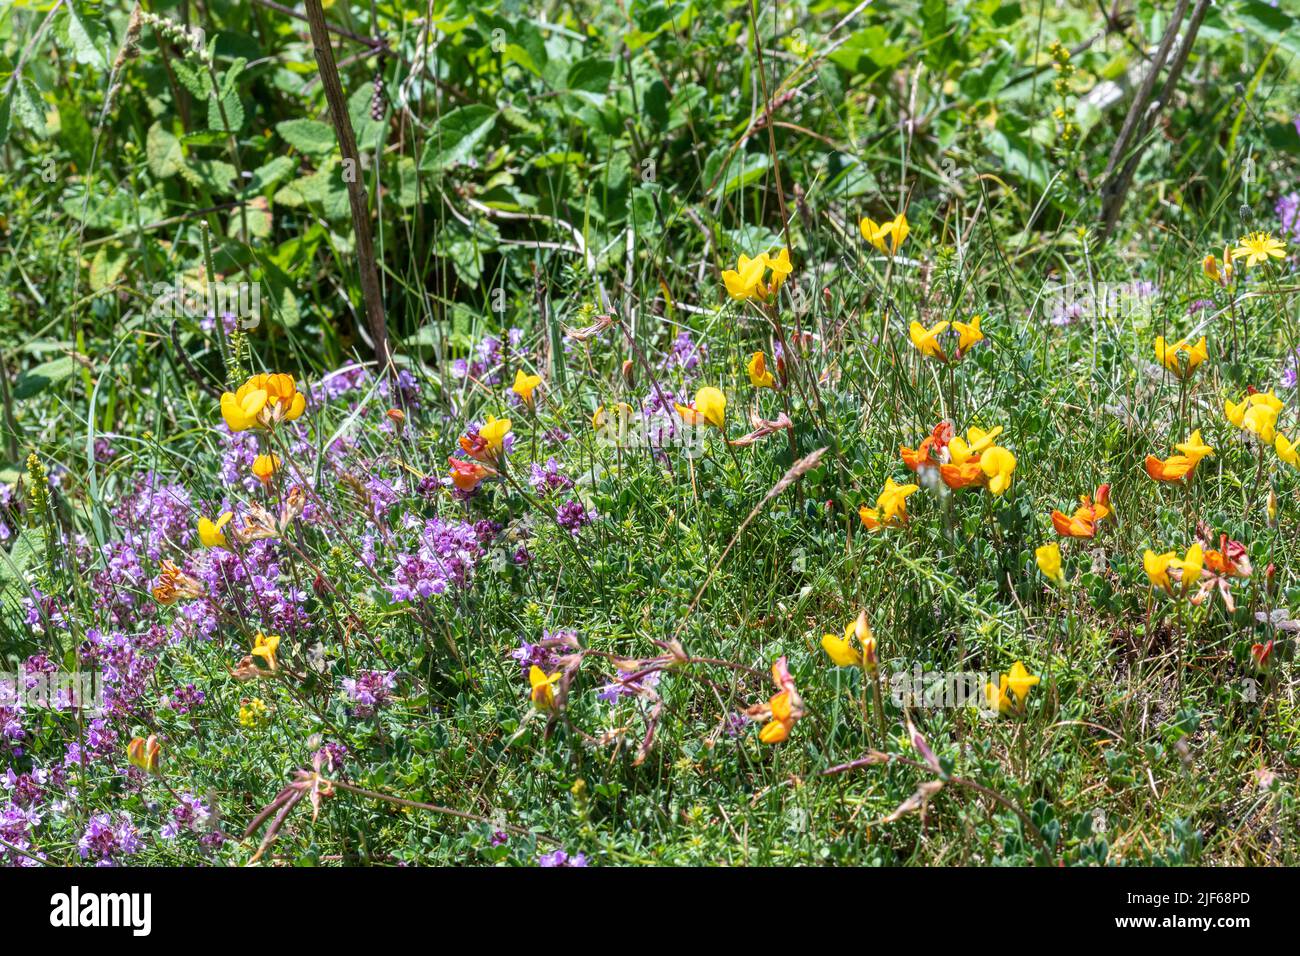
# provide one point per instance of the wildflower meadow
(655, 432)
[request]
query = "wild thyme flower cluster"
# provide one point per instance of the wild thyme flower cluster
(444, 557)
(369, 692)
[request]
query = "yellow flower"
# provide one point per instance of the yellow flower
(1048, 557)
(601, 420)
(968, 333)
(891, 506)
(262, 402)
(494, 432)
(525, 385)
(1019, 681)
(1256, 413)
(746, 281)
(543, 687)
(1181, 358)
(841, 651)
(1216, 272)
(252, 712)
(778, 729)
(926, 340)
(998, 465)
(1257, 247)
(781, 268)
(886, 236)
(144, 754)
(1194, 448)
(265, 466)
(893, 500)
(1190, 566)
(1157, 569)
(265, 646)
(710, 407)
(962, 450)
(210, 533)
(1287, 450)
(759, 376)
(997, 697)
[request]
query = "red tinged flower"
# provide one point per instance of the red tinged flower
(466, 475)
(931, 452)
(1083, 523)
(968, 473)
(1261, 654)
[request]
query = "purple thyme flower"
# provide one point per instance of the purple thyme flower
(573, 517)
(560, 858)
(370, 691)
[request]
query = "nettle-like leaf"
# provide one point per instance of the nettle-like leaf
(270, 174)
(453, 140)
(107, 267)
(25, 556)
(75, 134)
(312, 137)
(324, 189)
(163, 152)
(227, 114)
(87, 38)
(214, 174)
(29, 107)
(46, 375)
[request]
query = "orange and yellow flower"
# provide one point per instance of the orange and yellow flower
(1179, 467)
(466, 475)
(891, 507)
(933, 450)
(783, 710)
(759, 375)
(174, 584)
(1181, 357)
(265, 467)
(841, 650)
(1048, 558)
(144, 754)
(709, 408)
(542, 687)
(524, 386)
(1219, 272)
(1083, 523)
(265, 646)
(211, 534)
(1012, 690)
(488, 442)
(976, 460)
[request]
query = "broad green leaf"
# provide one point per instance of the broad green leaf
(163, 152)
(312, 137)
(590, 76)
(41, 377)
(86, 37)
(234, 113)
(1270, 24)
(107, 267)
(25, 556)
(453, 139)
(30, 107)
(742, 170)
